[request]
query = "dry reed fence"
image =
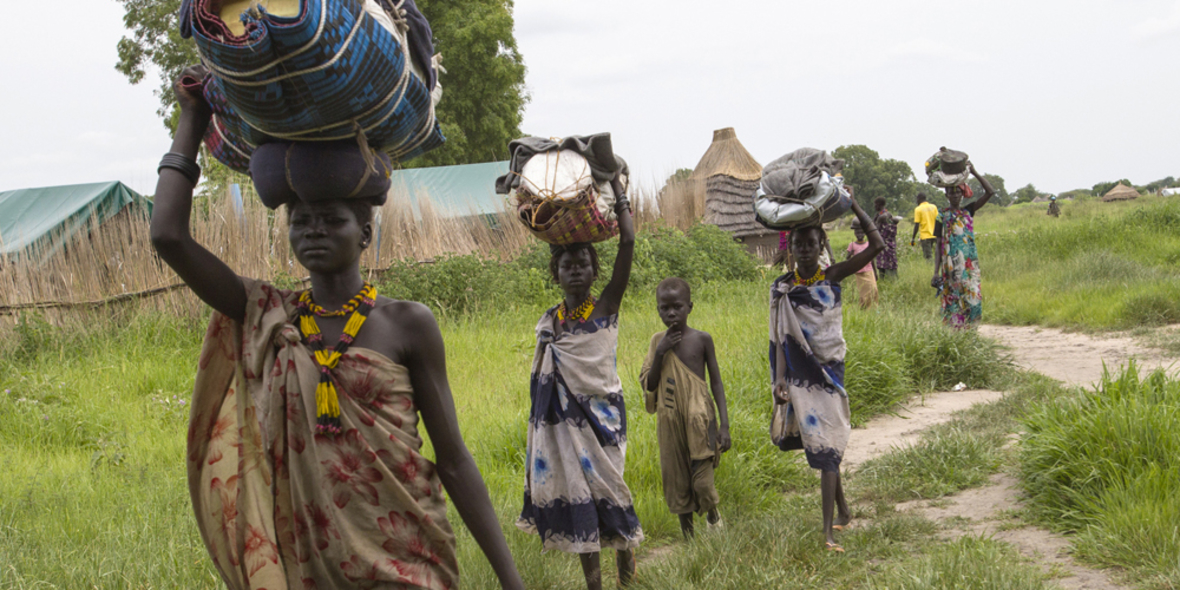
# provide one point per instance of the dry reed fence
(112, 268)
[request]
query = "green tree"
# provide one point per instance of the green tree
(155, 42)
(1002, 197)
(1153, 187)
(483, 89)
(872, 177)
(1025, 194)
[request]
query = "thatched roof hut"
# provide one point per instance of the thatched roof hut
(1120, 192)
(730, 176)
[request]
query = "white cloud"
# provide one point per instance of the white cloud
(1156, 27)
(932, 51)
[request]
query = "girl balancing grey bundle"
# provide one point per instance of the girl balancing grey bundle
(804, 187)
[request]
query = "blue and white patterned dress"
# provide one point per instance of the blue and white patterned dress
(806, 324)
(574, 496)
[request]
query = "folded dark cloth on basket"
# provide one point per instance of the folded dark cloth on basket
(597, 149)
(797, 175)
(319, 171)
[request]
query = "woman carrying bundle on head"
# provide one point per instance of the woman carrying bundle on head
(304, 457)
(807, 361)
(956, 261)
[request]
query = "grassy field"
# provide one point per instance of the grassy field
(95, 493)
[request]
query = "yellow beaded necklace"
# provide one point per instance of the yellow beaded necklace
(326, 402)
(815, 278)
(581, 313)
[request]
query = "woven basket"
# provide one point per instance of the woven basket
(561, 222)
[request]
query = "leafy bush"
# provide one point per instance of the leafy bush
(1106, 464)
(461, 284)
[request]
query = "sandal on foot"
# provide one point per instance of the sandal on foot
(834, 547)
(841, 527)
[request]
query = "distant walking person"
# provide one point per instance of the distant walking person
(956, 262)
(887, 259)
(925, 215)
(1054, 210)
(866, 276)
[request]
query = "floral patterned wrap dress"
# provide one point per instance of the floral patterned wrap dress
(961, 293)
(281, 507)
(574, 496)
(887, 259)
(806, 324)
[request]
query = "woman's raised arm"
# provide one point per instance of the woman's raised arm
(839, 271)
(612, 294)
(210, 278)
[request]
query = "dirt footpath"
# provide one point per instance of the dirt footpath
(1073, 359)
(886, 432)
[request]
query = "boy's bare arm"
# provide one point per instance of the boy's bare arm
(723, 439)
(669, 342)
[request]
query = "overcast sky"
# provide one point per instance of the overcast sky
(1063, 94)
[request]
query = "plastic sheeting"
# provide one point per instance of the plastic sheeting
(39, 221)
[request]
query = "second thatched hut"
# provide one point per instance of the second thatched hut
(1120, 192)
(729, 176)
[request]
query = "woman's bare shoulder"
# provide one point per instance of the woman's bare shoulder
(404, 313)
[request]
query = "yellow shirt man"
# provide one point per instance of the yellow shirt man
(924, 216)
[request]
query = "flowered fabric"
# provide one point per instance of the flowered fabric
(887, 259)
(962, 298)
(806, 325)
(574, 496)
(280, 507)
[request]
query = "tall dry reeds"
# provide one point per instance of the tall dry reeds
(115, 265)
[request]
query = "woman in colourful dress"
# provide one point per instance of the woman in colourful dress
(304, 456)
(956, 262)
(575, 498)
(887, 225)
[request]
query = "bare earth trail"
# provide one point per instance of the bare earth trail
(1073, 359)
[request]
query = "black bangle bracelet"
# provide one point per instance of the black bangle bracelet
(181, 164)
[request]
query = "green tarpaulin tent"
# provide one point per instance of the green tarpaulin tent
(455, 190)
(39, 221)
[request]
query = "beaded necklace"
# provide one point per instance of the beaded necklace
(580, 313)
(343, 311)
(815, 278)
(326, 402)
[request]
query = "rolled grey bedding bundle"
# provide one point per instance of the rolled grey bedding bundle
(804, 187)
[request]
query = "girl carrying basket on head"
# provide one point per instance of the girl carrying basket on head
(575, 498)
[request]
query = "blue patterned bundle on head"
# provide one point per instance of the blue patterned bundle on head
(323, 75)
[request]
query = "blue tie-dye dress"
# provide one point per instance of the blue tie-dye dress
(574, 496)
(806, 323)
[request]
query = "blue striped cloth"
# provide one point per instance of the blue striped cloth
(320, 76)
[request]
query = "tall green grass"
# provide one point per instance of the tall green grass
(95, 493)
(1100, 266)
(1106, 465)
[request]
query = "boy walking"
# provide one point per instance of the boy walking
(673, 378)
